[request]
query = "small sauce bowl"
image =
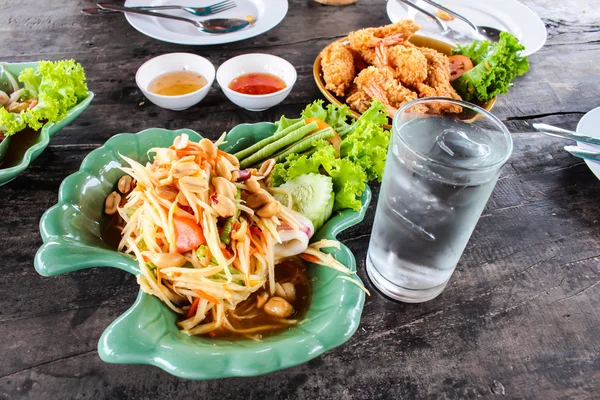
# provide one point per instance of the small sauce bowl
(170, 63)
(256, 63)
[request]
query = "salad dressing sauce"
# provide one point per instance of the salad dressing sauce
(257, 83)
(177, 83)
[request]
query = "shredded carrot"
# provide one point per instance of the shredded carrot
(253, 251)
(212, 334)
(226, 253)
(158, 275)
(309, 258)
(206, 296)
(193, 308)
(259, 244)
(256, 231)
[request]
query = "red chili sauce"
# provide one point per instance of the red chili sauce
(257, 83)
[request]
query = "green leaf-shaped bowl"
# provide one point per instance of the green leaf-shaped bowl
(147, 333)
(8, 174)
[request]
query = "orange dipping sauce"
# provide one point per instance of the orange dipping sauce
(257, 83)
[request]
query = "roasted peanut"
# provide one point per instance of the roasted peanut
(224, 168)
(266, 167)
(194, 184)
(209, 148)
(290, 291)
(232, 159)
(17, 107)
(222, 205)
(166, 260)
(261, 299)
(181, 169)
(124, 184)
(257, 200)
(278, 307)
(224, 187)
(238, 175)
(32, 102)
(167, 192)
(181, 142)
(111, 203)
(271, 209)
(253, 185)
(164, 156)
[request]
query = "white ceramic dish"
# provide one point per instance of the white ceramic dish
(256, 62)
(170, 63)
(589, 125)
(507, 15)
(267, 14)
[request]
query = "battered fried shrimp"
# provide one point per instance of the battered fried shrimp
(410, 65)
(358, 100)
(406, 61)
(399, 32)
(337, 63)
(437, 82)
(379, 83)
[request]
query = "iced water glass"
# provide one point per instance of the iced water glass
(443, 162)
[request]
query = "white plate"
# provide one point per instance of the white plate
(267, 13)
(507, 15)
(589, 125)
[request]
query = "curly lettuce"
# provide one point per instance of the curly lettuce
(349, 179)
(496, 65)
(57, 85)
(362, 152)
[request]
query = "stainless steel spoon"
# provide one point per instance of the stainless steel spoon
(215, 25)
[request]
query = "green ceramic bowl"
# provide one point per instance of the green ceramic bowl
(8, 174)
(147, 333)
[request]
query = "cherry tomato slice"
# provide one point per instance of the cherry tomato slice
(459, 65)
(187, 234)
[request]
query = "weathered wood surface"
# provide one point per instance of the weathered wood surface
(519, 317)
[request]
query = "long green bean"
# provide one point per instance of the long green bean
(240, 155)
(271, 148)
(306, 143)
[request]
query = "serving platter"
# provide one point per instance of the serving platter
(417, 40)
(506, 15)
(266, 13)
(147, 332)
(47, 131)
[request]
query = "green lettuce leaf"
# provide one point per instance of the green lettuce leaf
(367, 147)
(349, 180)
(285, 122)
(334, 116)
(496, 66)
(58, 86)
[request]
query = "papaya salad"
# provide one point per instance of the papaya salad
(208, 236)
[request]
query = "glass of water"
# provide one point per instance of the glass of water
(439, 174)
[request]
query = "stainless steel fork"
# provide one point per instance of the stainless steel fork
(199, 11)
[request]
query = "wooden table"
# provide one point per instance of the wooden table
(519, 317)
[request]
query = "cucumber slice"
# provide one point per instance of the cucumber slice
(312, 196)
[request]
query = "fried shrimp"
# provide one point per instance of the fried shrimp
(437, 82)
(358, 100)
(379, 83)
(388, 35)
(337, 63)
